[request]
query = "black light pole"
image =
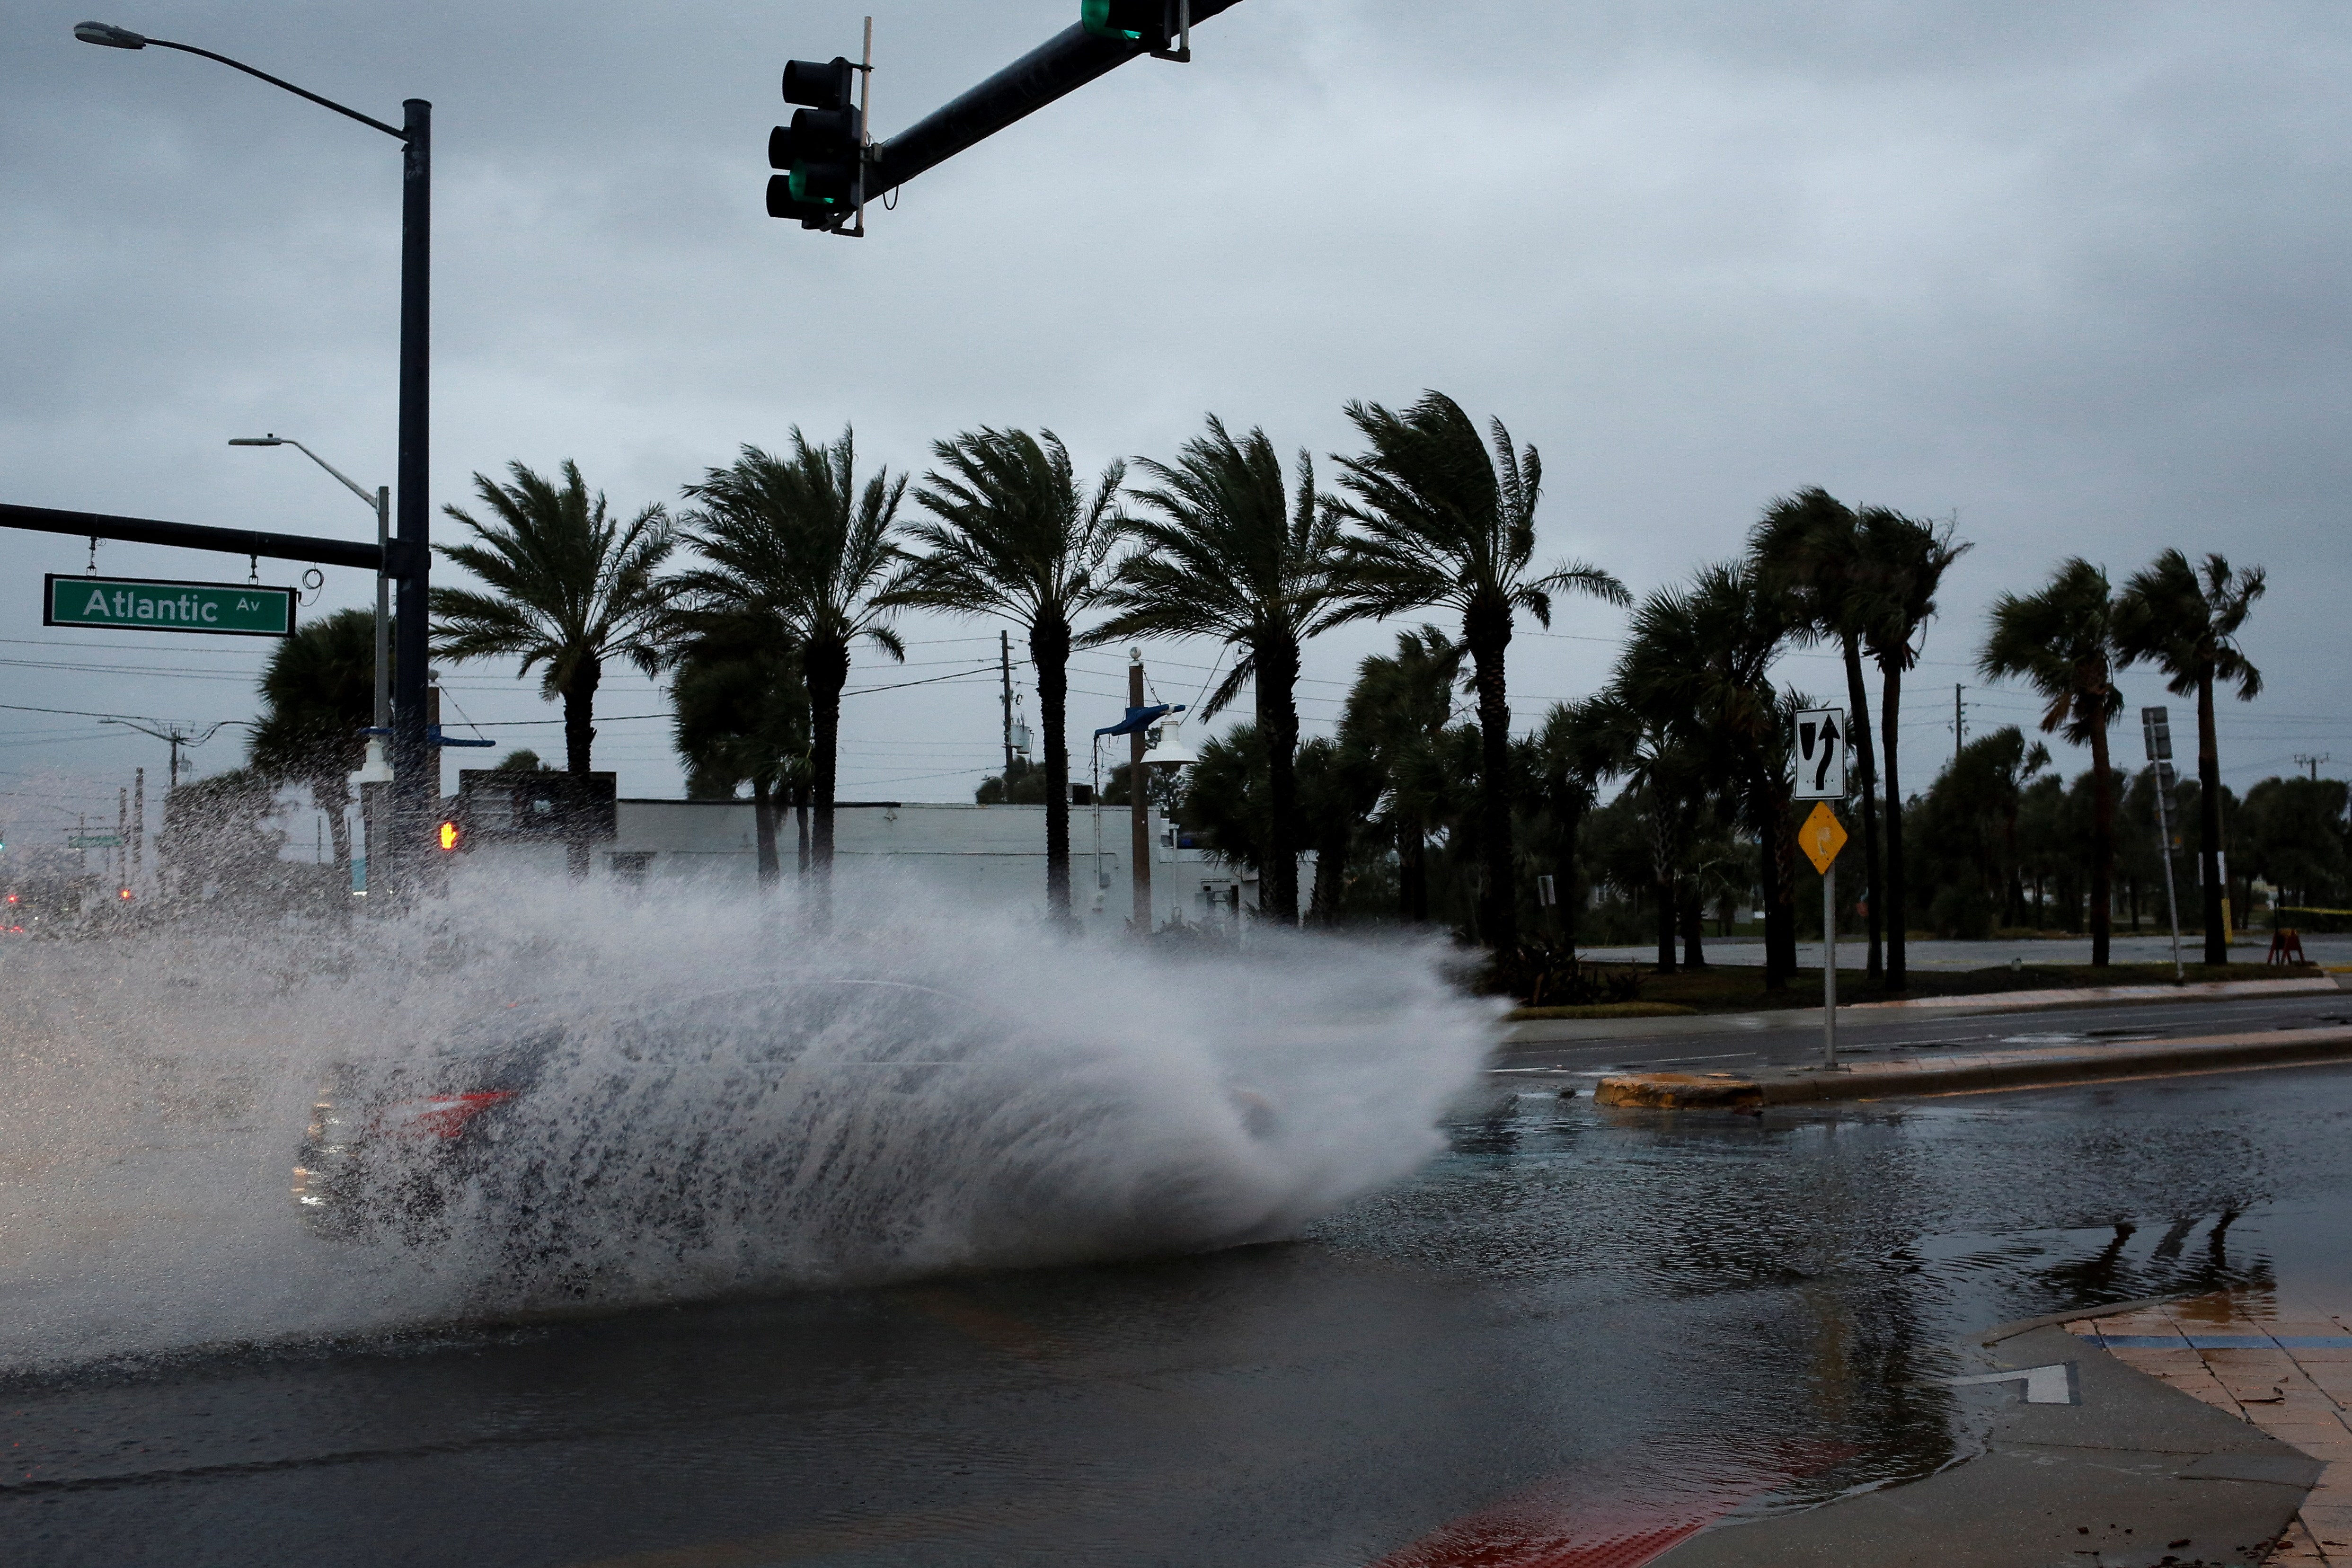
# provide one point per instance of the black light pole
(416, 781)
(415, 766)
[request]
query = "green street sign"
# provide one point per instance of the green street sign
(155, 604)
(93, 840)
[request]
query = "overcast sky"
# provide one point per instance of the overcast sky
(2073, 275)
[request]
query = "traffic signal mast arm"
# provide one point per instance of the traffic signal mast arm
(1061, 65)
(194, 536)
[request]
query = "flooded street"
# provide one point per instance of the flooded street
(1567, 1313)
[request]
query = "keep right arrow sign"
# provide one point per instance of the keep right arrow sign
(1820, 754)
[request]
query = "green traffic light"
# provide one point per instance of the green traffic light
(1107, 19)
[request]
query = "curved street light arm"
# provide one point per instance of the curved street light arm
(392, 132)
(366, 496)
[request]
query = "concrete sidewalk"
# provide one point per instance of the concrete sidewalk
(1537, 1031)
(1962, 1072)
(2276, 1360)
(2095, 1463)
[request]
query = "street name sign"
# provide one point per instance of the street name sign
(153, 604)
(1822, 838)
(1820, 754)
(93, 840)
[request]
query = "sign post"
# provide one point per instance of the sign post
(1820, 778)
(2155, 728)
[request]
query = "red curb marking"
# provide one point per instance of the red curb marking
(1623, 1512)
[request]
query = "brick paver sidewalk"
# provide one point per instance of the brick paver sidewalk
(2282, 1359)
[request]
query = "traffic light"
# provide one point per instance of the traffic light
(1133, 20)
(1163, 27)
(823, 151)
(450, 836)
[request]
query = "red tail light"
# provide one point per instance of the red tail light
(441, 1116)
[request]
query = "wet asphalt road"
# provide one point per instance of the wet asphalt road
(1598, 1308)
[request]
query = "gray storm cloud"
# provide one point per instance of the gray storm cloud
(2072, 274)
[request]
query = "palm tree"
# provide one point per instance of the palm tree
(1696, 663)
(2061, 642)
(1446, 525)
(1231, 557)
(1903, 565)
(1810, 548)
(1574, 749)
(793, 541)
(1338, 791)
(742, 717)
(1650, 743)
(320, 691)
(572, 586)
(2184, 620)
(1395, 716)
(1016, 535)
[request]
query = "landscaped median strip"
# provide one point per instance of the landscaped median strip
(1961, 1071)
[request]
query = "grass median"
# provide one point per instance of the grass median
(1739, 988)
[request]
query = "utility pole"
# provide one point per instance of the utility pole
(2312, 763)
(122, 834)
(137, 826)
(1004, 668)
(1959, 724)
(1138, 801)
(175, 735)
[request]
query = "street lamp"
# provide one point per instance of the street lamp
(380, 503)
(408, 559)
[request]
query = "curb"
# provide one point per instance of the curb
(1977, 1071)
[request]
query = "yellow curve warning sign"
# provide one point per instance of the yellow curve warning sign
(1821, 837)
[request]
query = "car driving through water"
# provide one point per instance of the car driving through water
(839, 1120)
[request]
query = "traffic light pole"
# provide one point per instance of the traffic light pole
(415, 766)
(1060, 66)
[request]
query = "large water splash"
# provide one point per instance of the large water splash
(1101, 1099)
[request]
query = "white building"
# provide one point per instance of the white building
(978, 855)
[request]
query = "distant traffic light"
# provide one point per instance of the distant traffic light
(451, 836)
(823, 151)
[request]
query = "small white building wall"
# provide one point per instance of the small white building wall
(974, 854)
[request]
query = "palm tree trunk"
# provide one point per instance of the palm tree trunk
(1486, 629)
(2209, 821)
(1780, 870)
(579, 735)
(1858, 726)
(2103, 842)
(1661, 872)
(1564, 889)
(1694, 915)
(1412, 872)
(1049, 649)
(1890, 716)
(1277, 720)
(579, 711)
(824, 664)
(1330, 874)
(764, 829)
(800, 821)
